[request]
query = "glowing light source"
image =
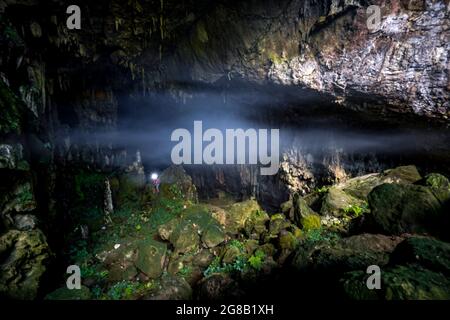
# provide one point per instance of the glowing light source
(154, 176)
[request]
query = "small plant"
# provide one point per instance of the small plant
(320, 235)
(356, 211)
(124, 290)
(214, 267)
(185, 271)
(239, 265)
(237, 244)
(257, 259)
(322, 190)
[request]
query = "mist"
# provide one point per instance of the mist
(308, 122)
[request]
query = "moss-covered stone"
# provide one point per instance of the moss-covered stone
(213, 236)
(336, 201)
(414, 283)
(428, 252)
(150, 258)
(256, 222)
(278, 222)
(185, 238)
(26, 258)
(310, 222)
(12, 119)
(440, 186)
(397, 209)
(402, 175)
(69, 294)
(287, 241)
(346, 254)
(239, 213)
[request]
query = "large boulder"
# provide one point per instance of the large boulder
(428, 252)
(397, 209)
(337, 201)
(150, 258)
(439, 185)
(213, 236)
(402, 282)
(25, 256)
(218, 287)
(64, 293)
(352, 253)
(194, 224)
(171, 287)
(360, 187)
(176, 175)
(239, 213)
(296, 209)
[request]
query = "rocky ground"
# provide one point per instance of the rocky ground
(169, 246)
(67, 196)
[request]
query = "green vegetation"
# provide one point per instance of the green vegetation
(320, 235)
(257, 259)
(11, 120)
(185, 271)
(355, 211)
(125, 290)
(310, 222)
(239, 265)
(322, 190)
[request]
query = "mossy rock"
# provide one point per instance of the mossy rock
(150, 258)
(26, 256)
(256, 223)
(337, 201)
(278, 222)
(13, 111)
(171, 287)
(250, 246)
(397, 209)
(218, 287)
(360, 187)
(185, 238)
(231, 253)
(409, 282)
(301, 210)
(269, 249)
(213, 236)
(402, 175)
(287, 241)
(347, 254)
(177, 176)
(239, 213)
(354, 286)
(69, 294)
(131, 188)
(183, 231)
(428, 252)
(310, 222)
(412, 282)
(440, 186)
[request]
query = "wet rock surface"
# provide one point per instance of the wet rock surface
(221, 232)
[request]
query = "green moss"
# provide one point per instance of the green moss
(257, 259)
(12, 118)
(355, 211)
(202, 35)
(217, 266)
(310, 222)
(275, 57)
